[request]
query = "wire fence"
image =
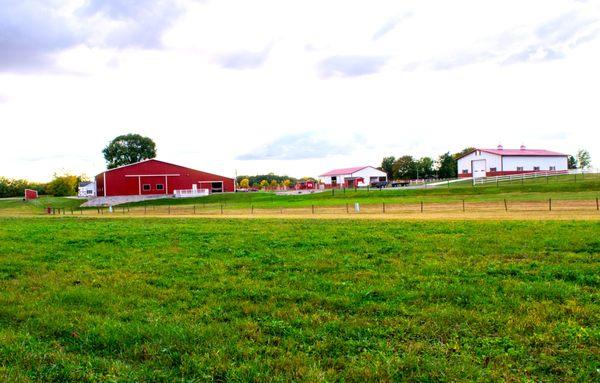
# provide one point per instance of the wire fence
(504, 205)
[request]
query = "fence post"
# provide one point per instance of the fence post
(194, 209)
(549, 204)
(383, 206)
(221, 208)
(332, 191)
(597, 205)
(421, 206)
(463, 205)
(313, 208)
(348, 211)
(505, 205)
(169, 209)
(251, 209)
(145, 207)
(281, 210)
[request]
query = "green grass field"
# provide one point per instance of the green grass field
(298, 300)
(532, 190)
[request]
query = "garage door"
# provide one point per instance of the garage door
(478, 168)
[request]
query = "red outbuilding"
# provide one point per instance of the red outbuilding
(152, 177)
(30, 194)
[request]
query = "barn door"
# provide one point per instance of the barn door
(478, 168)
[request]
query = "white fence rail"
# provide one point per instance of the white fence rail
(187, 193)
(525, 176)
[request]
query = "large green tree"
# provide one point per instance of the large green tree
(387, 165)
(447, 167)
(128, 149)
(405, 168)
(425, 167)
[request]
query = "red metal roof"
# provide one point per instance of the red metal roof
(337, 172)
(519, 152)
(522, 152)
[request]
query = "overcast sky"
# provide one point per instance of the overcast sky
(294, 87)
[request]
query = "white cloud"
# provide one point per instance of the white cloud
(350, 80)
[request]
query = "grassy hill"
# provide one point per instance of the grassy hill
(316, 300)
(562, 187)
(16, 206)
(557, 187)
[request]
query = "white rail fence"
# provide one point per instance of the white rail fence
(540, 174)
(187, 193)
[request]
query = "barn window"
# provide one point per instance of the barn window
(536, 168)
(160, 187)
(552, 168)
(519, 168)
(146, 187)
(493, 170)
(465, 171)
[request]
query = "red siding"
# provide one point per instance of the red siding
(124, 180)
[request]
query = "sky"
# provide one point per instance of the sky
(293, 87)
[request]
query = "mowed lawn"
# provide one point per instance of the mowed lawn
(298, 300)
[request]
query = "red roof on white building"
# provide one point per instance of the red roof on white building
(520, 152)
(337, 172)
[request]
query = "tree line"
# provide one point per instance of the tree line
(408, 167)
(60, 186)
(270, 180)
(445, 166)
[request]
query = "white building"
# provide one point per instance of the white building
(86, 189)
(352, 177)
(500, 161)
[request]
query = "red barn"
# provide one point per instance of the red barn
(152, 177)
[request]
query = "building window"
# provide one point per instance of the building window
(89, 191)
(160, 187)
(146, 187)
(519, 168)
(552, 168)
(493, 170)
(465, 171)
(536, 168)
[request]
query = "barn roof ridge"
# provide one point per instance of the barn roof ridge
(517, 152)
(351, 170)
(164, 162)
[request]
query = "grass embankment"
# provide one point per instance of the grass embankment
(266, 300)
(16, 206)
(531, 190)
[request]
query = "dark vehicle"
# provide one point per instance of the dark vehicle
(379, 184)
(400, 183)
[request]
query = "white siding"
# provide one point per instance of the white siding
(491, 161)
(511, 163)
(365, 173)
